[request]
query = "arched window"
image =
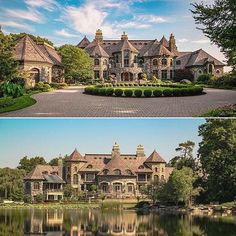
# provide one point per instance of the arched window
(210, 68)
(75, 169)
(141, 167)
(75, 179)
(128, 172)
(162, 178)
(117, 172)
(105, 172)
(36, 185)
(200, 72)
(155, 62)
(217, 71)
(171, 62)
(96, 62)
(68, 177)
(164, 61)
(156, 169)
(27, 186)
(105, 62)
(89, 167)
(35, 74)
(156, 178)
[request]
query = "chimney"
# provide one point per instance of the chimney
(60, 167)
(99, 36)
(172, 43)
(124, 36)
(115, 149)
(140, 151)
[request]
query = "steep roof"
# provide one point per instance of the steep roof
(155, 158)
(75, 156)
(200, 57)
(95, 49)
(83, 43)
(164, 42)
(38, 172)
(53, 179)
(123, 45)
(27, 50)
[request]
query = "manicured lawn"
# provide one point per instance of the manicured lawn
(225, 111)
(16, 103)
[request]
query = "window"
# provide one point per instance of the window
(104, 187)
(156, 169)
(164, 74)
(162, 169)
(105, 62)
(141, 167)
(156, 178)
(178, 63)
(96, 62)
(105, 172)
(155, 73)
(128, 172)
(135, 59)
(171, 62)
(141, 177)
(75, 179)
(75, 169)
(171, 74)
(117, 172)
(116, 58)
(210, 69)
(68, 177)
(162, 178)
(126, 58)
(27, 186)
(96, 74)
(89, 167)
(36, 185)
(130, 188)
(82, 176)
(105, 74)
(90, 177)
(45, 173)
(155, 62)
(148, 177)
(200, 72)
(117, 187)
(164, 61)
(217, 71)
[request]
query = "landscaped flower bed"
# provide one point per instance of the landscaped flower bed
(144, 90)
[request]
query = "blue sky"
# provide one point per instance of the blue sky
(67, 21)
(51, 137)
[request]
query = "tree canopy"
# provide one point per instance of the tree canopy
(218, 158)
(218, 23)
(8, 66)
(77, 62)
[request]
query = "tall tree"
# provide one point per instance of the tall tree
(185, 157)
(29, 164)
(219, 24)
(218, 158)
(8, 66)
(77, 62)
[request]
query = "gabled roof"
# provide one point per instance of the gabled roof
(83, 43)
(155, 158)
(157, 49)
(27, 50)
(38, 172)
(124, 45)
(200, 57)
(95, 49)
(164, 42)
(75, 156)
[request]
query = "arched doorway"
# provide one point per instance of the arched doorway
(127, 76)
(35, 74)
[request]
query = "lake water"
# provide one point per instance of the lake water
(95, 222)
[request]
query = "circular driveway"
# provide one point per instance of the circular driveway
(72, 102)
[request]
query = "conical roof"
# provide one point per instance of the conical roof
(83, 43)
(75, 156)
(95, 49)
(155, 158)
(27, 50)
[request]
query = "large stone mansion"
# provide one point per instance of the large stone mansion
(128, 60)
(116, 175)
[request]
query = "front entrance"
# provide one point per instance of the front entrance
(34, 74)
(127, 76)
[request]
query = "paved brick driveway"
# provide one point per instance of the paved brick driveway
(73, 103)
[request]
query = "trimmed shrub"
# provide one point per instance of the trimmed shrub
(102, 91)
(109, 92)
(119, 92)
(177, 92)
(157, 93)
(147, 92)
(168, 92)
(138, 93)
(58, 85)
(128, 93)
(95, 91)
(205, 78)
(185, 81)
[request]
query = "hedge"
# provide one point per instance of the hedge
(119, 92)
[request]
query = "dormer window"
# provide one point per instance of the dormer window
(117, 172)
(141, 167)
(128, 172)
(155, 62)
(89, 167)
(96, 62)
(45, 173)
(164, 61)
(105, 172)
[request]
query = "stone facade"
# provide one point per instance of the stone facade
(128, 60)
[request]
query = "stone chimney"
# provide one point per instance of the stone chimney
(124, 36)
(115, 149)
(99, 36)
(172, 43)
(60, 167)
(140, 151)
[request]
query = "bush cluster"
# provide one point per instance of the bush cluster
(9, 89)
(58, 85)
(119, 92)
(43, 87)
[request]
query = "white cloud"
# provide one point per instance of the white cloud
(46, 4)
(29, 14)
(64, 33)
(183, 40)
(151, 18)
(133, 25)
(201, 41)
(17, 25)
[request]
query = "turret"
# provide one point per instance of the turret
(172, 43)
(99, 36)
(124, 36)
(115, 150)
